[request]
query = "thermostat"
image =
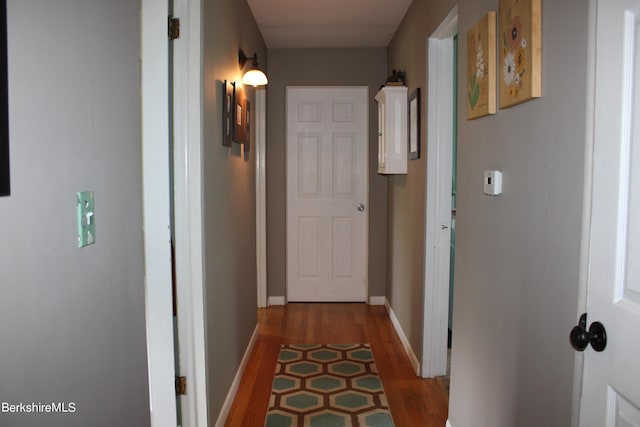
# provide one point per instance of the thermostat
(492, 183)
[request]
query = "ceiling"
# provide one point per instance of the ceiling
(328, 23)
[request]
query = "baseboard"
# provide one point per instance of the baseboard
(377, 300)
(448, 424)
(405, 342)
(277, 301)
(226, 407)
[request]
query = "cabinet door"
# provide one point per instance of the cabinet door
(382, 150)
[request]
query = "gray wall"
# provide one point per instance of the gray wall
(517, 258)
(229, 201)
(406, 225)
(73, 322)
(291, 67)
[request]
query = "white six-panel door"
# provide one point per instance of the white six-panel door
(611, 380)
(327, 193)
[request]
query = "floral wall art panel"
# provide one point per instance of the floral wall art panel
(520, 47)
(481, 68)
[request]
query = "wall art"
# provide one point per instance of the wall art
(481, 67)
(520, 48)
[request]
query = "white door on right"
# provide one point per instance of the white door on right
(611, 381)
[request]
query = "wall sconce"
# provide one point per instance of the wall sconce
(255, 76)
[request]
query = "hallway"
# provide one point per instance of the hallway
(413, 401)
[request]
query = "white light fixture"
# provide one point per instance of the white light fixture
(254, 76)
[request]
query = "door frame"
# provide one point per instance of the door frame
(438, 186)
(188, 211)
(366, 174)
(261, 195)
(585, 241)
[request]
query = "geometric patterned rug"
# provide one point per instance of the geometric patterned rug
(335, 385)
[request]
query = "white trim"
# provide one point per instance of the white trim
(231, 395)
(448, 424)
(277, 301)
(156, 197)
(438, 195)
(261, 195)
(587, 193)
(405, 342)
(377, 300)
(188, 210)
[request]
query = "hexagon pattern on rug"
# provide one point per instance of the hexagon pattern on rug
(333, 385)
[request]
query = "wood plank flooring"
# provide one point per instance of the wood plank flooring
(414, 402)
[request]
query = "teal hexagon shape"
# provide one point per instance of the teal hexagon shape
(326, 383)
(328, 419)
(282, 383)
(303, 368)
(278, 420)
(362, 354)
(304, 346)
(302, 401)
(377, 419)
(324, 355)
(343, 346)
(368, 383)
(352, 400)
(346, 368)
(287, 355)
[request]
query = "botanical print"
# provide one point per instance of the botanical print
(481, 68)
(519, 51)
(478, 74)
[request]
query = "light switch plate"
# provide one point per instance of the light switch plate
(86, 219)
(492, 183)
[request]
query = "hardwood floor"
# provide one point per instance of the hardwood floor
(414, 402)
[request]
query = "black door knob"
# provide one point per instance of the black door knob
(580, 338)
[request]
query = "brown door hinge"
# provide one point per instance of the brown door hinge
(181, 386)
(174, 27)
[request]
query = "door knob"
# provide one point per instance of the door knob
(580, 338)
(360, 207)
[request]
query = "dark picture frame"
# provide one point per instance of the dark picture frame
(5, 181)
(238, 115)
(413, 110)
(227, 113)
(247, 125)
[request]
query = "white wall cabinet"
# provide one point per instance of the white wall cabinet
(392, 130)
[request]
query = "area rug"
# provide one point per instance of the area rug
(334, 385)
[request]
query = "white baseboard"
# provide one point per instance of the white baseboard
(448, 424)
(277, 301)
(405, 342)
(226, 407)
(377, 300)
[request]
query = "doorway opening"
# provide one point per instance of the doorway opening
(440, 197)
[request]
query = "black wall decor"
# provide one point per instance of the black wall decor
(5, 187)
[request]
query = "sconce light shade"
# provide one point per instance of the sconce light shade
(255, 76)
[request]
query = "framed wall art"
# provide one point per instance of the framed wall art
(227, 113)
(481, 67)
(520, 47)
(5, 184)
(414, 124)
(247, 125)
(238, 115)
